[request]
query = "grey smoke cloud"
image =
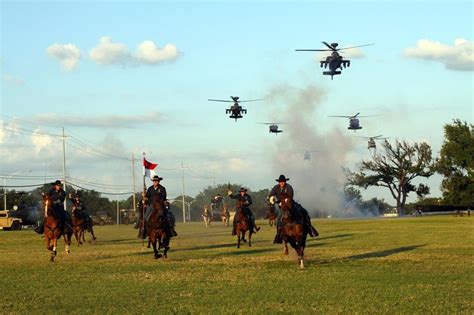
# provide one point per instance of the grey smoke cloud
(318, 182)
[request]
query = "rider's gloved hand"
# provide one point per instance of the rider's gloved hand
(272, 200)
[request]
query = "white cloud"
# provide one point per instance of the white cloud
(41, 141)
(68, 55)
(460, 56)
(354, 53)
(108, 52)
(148, 53)
(13, 79)
(105, 121)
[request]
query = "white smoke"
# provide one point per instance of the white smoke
(319, 181)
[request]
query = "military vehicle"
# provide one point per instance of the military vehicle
(102, 218)
(7, 222)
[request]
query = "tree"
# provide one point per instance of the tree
(456, 164)
(395, 169)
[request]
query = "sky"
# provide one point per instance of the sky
(123, 78)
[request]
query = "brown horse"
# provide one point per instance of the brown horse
(80, 226)
(271, 214)
(52, 229)
(242, 225)
(293, 230)
(158, 228)
(225, 215)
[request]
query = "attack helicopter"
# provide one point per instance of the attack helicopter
(273, 127)
(353, 121)
(235, 110)
(334, 61)
(307, 154)
(371, 142)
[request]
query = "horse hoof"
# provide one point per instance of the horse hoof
(158, 256)
(165, 256)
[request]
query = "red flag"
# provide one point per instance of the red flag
(148, 168)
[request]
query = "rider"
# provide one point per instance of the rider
(159, 191)
(216, 201)
(58, 195)
(80, 207)
(243, 196)
(283, 188)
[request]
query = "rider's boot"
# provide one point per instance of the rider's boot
(40, 228)
(313, 231)
(173, 232)
(278, 239)
(142, 233)
(234, 231)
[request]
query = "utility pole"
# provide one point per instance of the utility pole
(64, 168)
(118, 212)
(184, 205)
(133, 183)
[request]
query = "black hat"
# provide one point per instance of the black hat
(242, 189)
(282, 178)
(58, 182)
(78, 194)
(156, 177)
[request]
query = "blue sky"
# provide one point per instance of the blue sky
(227, 48)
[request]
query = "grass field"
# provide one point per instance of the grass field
(410, 265)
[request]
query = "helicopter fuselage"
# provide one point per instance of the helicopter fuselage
(354, 124)
(236, 111)
(334, 62)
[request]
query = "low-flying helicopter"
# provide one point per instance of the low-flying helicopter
(371, 142)
(353, 121)
(334, 61)
(307, 154)
(235, 110)
(273, 127)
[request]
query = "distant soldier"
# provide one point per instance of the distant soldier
(159, 191)
(79, 206)
(247, 200)
(284, 188)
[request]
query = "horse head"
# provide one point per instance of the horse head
(158, 205)
(47, 203)
(286, 205)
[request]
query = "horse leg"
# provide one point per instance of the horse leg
(238, 238)
(67, 241)
(166, 243)
(54, 252)
(153, 240)
(250, 238)
(92, 232)
(285, 250)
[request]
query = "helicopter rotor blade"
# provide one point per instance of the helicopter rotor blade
(329, 46)
(214, 100)
(254, 100)
(342, 116)
(312, 50)
(355, 46)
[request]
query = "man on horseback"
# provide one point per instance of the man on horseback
(283, 188)
(58, 195)
(156, 191)
(247, 200)
(216, 202)
(79, 206)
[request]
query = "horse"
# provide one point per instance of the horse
(225, 215)
(243, 224)
(78, 223)
(158, 228)
(292, 230)
(271, 214)
(52, 230)
(207, 216)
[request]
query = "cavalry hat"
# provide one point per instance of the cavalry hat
(242, 189)
(58, 182)
(78, 194)
(282, 178)
(156, 177)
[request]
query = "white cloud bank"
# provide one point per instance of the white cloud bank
(68, 55)
(458, 57)
(148, 53)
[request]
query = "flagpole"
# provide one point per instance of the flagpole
(64, 169)
(184, 206)
(143, 196)
(134, 200)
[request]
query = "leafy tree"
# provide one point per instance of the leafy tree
(395, 169)
(456, 164)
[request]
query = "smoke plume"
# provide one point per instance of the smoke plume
(318, 181)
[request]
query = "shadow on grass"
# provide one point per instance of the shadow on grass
(334, 236)
(384, 253)
(210, 246)
(241, 251)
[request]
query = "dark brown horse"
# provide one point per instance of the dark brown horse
(242, 225)
(293, 230)
(52, 228)
(80, 226)
(158, 229)
(271, 214)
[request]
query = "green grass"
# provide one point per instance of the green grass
(413, 265)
